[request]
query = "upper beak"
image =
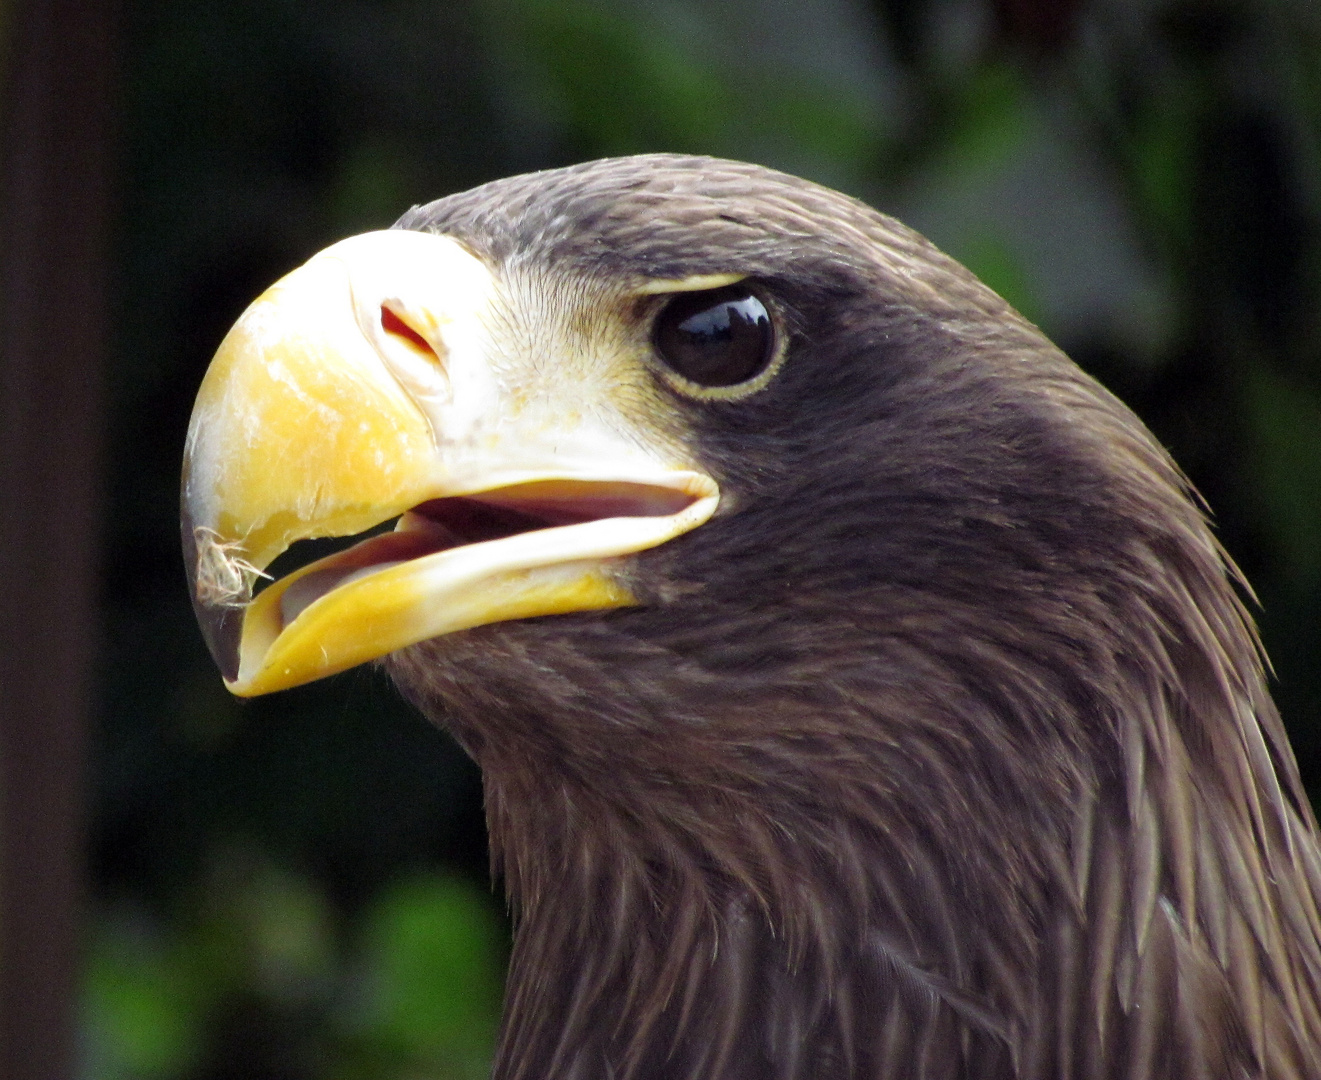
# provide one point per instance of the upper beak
(370, 384)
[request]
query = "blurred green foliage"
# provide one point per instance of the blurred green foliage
(411, 988)
(621, 79)
(294, 887)
(431, 981)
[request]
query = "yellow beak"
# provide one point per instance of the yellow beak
(372, 383)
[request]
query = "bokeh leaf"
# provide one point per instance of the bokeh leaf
(429, 988)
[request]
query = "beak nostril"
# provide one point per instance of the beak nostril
(393, 323)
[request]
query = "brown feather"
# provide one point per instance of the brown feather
(946, 752)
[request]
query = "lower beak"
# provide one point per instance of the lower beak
(366, 386)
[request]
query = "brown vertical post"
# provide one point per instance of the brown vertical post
(56, 76)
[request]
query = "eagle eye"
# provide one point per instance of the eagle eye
(716, 337)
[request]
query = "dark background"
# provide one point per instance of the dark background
(295, 887)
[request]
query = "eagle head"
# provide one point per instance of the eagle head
(858, 688)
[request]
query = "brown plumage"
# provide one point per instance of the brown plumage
(943, 750)
(945, 753)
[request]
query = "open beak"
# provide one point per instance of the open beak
(373, 383)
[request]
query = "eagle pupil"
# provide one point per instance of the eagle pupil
(718, 337)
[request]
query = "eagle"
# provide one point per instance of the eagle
(858, 687)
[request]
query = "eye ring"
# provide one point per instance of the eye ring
(717, 343)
